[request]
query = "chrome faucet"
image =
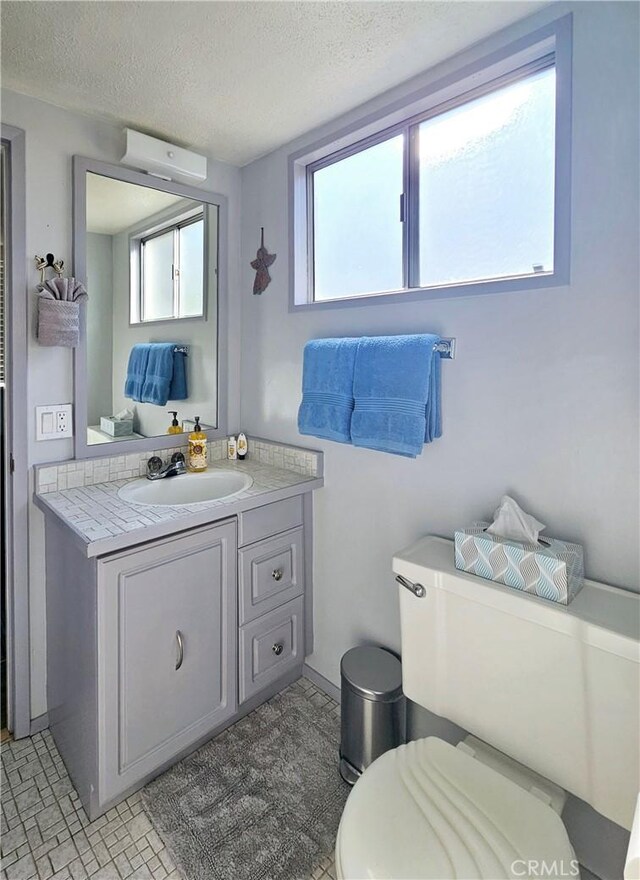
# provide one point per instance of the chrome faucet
(156, 470)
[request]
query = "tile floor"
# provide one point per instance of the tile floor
(47, 835)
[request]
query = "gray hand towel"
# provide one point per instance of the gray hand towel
(65, 289)
(59, 312)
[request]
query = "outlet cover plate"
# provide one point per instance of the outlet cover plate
(54, 422)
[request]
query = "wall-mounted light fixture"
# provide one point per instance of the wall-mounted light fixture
(163, 159)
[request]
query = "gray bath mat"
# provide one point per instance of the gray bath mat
(262, 801)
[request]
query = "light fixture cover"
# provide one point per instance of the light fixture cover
(163, 159)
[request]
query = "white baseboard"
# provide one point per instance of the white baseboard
(39, 724)
(323, 683)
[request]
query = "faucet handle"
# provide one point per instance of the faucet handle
(176, 457)
(154, 465)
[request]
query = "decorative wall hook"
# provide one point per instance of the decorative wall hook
(49, 262)
(261, 264)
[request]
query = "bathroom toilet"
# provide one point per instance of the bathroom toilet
(431, 810)
(525, 675)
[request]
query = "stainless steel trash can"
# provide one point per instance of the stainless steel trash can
(373, 708)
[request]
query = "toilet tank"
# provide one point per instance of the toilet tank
(556, 688)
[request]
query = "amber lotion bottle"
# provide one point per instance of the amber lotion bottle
(174, 427)
(197, 451)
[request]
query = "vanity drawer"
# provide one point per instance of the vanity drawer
(269, 647)
(262, 522)
(270, 573)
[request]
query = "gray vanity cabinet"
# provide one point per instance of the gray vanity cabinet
(156, 647)
(166, 649)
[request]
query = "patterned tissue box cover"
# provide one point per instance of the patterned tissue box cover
(116, 427)
(553, 570)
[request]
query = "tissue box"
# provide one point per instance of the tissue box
(551, 569)
(116, 427)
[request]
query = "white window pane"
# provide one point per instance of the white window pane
(191, 269)
(157, 275)
(487, 185)
(357, 228)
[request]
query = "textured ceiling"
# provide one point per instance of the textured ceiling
(232, 79)
(113, 205)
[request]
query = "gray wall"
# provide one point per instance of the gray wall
(542, 400)
(53, 136)
(100, 325)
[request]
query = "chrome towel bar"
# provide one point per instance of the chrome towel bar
(446, 348)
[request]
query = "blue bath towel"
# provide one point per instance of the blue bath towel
(397, 394)
(327, 389)
(136, 372)
(166, 377)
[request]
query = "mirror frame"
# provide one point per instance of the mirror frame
(82, 166)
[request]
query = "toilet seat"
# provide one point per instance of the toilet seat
(429, 810)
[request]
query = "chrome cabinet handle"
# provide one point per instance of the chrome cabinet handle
(180, 642)
(276, 574)
(277, 649)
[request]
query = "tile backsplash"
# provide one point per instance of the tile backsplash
(89, 472)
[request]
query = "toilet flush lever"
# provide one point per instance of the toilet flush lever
(417, 589)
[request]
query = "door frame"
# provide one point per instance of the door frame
(16, 500)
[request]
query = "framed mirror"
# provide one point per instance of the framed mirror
(152, 254)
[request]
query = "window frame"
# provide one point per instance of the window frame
(547, 47)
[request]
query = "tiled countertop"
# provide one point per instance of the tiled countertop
(104, 523)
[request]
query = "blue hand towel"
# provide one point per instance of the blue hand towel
(166, 376)
(178, 389)
(397, 394)
(327, 389)
(136, 372)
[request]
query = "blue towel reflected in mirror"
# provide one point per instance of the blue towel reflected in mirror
(156, 373)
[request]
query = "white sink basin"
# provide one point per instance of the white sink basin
(186, 489)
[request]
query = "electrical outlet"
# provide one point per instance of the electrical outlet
(62, 426)
(54, 422)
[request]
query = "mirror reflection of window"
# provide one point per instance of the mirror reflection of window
(157, 277)
(191, 264)
(172, 271)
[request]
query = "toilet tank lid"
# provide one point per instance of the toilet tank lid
(611, 615)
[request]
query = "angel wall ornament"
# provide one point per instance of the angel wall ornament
(261, 264)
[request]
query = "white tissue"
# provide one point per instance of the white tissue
(511, 522)
(124, 414)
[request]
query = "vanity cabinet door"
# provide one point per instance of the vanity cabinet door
(167, 649)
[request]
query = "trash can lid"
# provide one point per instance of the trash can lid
(374, 673)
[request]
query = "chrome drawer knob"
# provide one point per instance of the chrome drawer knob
(277, 649)
(276, 574)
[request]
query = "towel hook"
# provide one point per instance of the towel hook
(49, 262)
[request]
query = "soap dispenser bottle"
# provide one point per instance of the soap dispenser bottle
(174, 427)
(197, 451)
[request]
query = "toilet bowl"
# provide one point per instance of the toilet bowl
(431, 810)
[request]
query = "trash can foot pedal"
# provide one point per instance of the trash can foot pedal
(349, 773)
